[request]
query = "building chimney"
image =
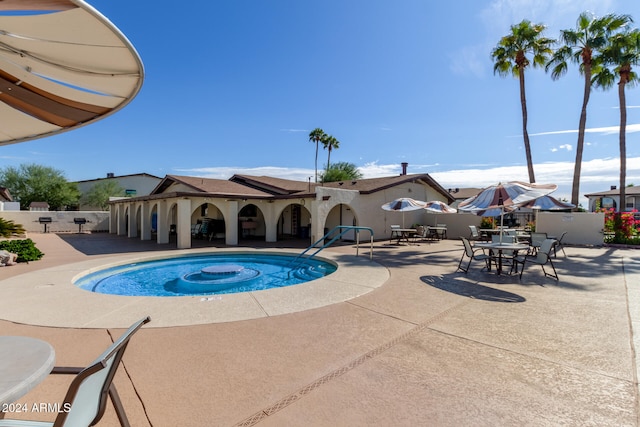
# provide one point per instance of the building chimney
(613, 187)
(404, 167)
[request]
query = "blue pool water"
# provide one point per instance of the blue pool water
(205, 275)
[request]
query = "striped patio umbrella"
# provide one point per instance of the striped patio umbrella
(501, 197)
(404, 204)
(438, 207)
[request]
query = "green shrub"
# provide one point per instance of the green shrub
(25, 249)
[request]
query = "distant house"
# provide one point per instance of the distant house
(134, 185)
(611, 199)
(267, 208)
(6, 201)
(460, 194)
(39, 206)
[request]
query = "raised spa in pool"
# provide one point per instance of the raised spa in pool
(205, 274)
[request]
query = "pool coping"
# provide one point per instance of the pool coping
(54, 301)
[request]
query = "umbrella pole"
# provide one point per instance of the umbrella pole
(501, 223)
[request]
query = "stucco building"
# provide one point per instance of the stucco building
(267, 208)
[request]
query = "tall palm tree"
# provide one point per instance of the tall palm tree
(583, 45)
(317, 135)
(622, 53)
(330, 143)
(510, 56)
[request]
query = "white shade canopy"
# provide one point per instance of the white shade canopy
(62, 65)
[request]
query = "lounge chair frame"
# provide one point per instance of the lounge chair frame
(85, 403)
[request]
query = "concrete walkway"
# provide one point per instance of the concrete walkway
(430, 346)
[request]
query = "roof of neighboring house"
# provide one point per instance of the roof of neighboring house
(5, 195)
(121, 176)
(465, 193)
(629, 191)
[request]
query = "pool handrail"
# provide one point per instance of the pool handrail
(345, 229)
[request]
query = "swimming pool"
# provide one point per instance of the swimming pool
(205, 274)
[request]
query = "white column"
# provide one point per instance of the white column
(145, 221)
(133, 220)
(122, 224)
(183, 226)
(163, 223)
(231, 223)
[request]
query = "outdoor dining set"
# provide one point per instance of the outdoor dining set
(511, 248)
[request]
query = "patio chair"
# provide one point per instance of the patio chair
(536, 241)
(473, 254)
(86, 398)
(395, 231)
(474, 233)
(559, 245)
(542, 257)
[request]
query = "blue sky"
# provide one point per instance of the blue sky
(236, 86)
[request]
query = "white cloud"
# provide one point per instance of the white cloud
(596, 175)
(608, 130)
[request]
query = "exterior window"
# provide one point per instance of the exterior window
(630, 202)
(608, 203)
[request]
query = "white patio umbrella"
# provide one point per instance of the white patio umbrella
(547, 203)
(404, 204)
(438, 207)
(504, 197)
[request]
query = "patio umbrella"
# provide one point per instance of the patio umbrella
(404, 204)
(438, 207)
(547, 203)
(504, 197)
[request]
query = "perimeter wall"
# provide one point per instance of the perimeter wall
(583, 228)
(62, 221)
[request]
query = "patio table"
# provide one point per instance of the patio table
(24, 363)
(437, 232)
(403, 233)
(500, 247)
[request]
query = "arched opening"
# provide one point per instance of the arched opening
(341, 215)
(251, 224)
(294, 222)
(207, 223)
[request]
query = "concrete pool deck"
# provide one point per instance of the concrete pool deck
(429, 346)
(45, 290)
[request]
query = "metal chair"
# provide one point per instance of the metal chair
(559, 245)
(86, 398)
(542, 257)
(472, 255)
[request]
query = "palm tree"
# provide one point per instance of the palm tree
(510, 56)
(583, 45)
(622, 53)
(316, 136)
(330, 143)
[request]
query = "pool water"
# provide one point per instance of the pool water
(205, 275)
